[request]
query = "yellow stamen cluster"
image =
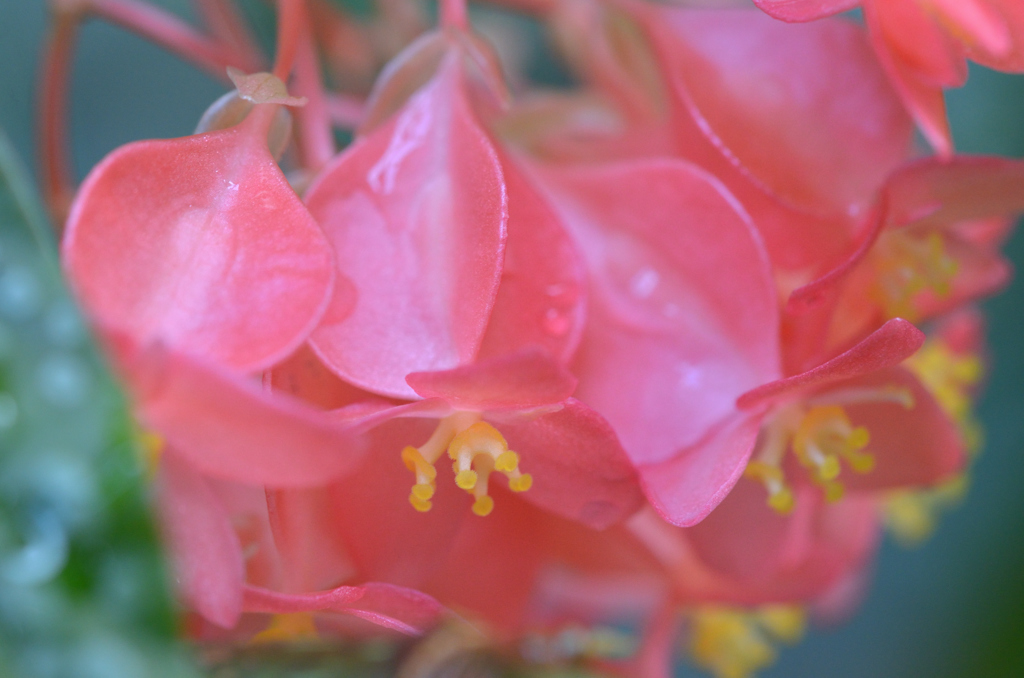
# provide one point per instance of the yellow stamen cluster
(951, 377)
(908, 264)
(285, 628)
(911, 515)
(825, 438)
(150, 446)
(476, 449)
(733, 642)
(822, 438)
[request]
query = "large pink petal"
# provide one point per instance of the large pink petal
(670, 341)
(231, 428)
(393, 607)
(686, 488)
(1012, 59)
(887, 346)
(579, 469)
(805, 10)
(205, 552)
(520, 381)
(416, 212)
(542, 297)
(200, 243)
(913, 447)
(820, 134)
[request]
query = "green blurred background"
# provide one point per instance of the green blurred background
(952, 607)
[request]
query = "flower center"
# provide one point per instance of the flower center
(477, 449)
(821, 436)
(908, 264)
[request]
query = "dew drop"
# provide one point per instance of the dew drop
(556, 322)
(644, 282)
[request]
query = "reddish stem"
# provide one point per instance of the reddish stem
(56, 176)
(222, 19)
(454, 14)
(170, 32)
(315, 135)
(291, 19)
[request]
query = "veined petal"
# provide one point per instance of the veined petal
(200, 244)
(416, 212)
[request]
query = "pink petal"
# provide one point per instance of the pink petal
(524, 380)
(205, 553)
(887, 346)
(231, 428)
(393, 607)
(667, 332)
(686, 488)
(935, 192)
(805, 10)
(200, 243)
(579, 469)
(542, 296)
(923, 99)
(912, 448)
(304, 376)
(1012, 59)
(821, 134)
(416, 212)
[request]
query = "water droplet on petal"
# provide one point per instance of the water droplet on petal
(644, 282)
(556, 322)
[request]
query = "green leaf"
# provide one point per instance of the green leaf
(83, 587)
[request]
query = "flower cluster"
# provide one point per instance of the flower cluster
(664, 325)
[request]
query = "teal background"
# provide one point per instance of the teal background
(953, 607)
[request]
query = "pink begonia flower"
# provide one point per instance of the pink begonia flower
(363, 529)
(453, 254)
(932, 245)
(924, 45)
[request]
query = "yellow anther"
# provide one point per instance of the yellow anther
(951, 377)
(911, 515)
(780, 497)
(466, 479)
(833, 491)
(423, 492)
(419, 504)
(507, 462)
(785, 622)
(483, 505)
(287, 628)
(521, 483)
(476, 449)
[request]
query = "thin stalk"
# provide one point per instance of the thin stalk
(315, 135)
(346, 111)
(291, 19)
(223, 20)
(454, 14)
(169, 32)
(56, 176)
